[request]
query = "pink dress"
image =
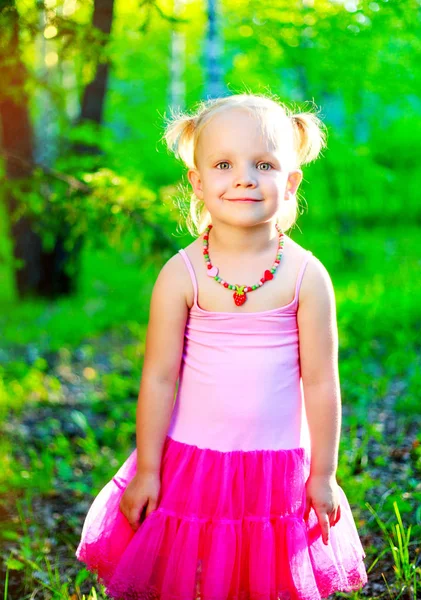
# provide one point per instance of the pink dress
(229, 521)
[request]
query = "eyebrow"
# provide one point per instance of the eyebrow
(227, 153)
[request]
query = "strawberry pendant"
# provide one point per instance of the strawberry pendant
(239, 295)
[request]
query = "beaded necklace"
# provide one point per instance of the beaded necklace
(240, 294)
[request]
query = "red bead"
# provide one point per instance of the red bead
(209, 266)
(205, 251)
(268, 275)
(205, 237)
(225, 284)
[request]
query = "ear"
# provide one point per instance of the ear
(294, 179)
(196, 183)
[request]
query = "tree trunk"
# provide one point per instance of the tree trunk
(177, 99)
(214, 85)
(94, 95)
(18, 146)
(40, 272)
(92, 109)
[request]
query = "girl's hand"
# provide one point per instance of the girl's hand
(140, 498)
(322, 492)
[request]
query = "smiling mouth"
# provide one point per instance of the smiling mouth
(243, 200)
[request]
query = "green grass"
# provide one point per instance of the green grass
(69, 380)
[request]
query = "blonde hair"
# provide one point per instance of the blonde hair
(182, 133)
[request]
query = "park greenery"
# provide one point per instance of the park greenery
(99, 190)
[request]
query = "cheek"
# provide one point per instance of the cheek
(280, 181)
(270, 181)
(218, 179)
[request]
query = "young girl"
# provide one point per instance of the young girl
(231, 492)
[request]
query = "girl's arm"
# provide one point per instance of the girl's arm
(164, 346)
(318, 340)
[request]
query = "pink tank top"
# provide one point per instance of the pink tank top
(240, 385)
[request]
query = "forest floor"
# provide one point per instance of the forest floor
(53, 505)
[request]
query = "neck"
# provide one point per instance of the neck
(242, 241)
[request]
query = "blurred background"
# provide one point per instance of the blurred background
(91, 208)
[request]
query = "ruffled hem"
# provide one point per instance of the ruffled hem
(228, 526)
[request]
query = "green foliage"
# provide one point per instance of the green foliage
(99, 204)
(408, 575)
(70, 370)
(314, 52)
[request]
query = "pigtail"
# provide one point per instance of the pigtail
(309, 135)
(179, 136)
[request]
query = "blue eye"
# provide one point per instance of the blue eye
(227, 163)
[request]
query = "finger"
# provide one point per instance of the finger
(324, 525)
(124, 511)
(151, 508)
(332, 518)
(135, 518)
(133, 522)
(338, 514)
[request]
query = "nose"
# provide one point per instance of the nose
(245, 178)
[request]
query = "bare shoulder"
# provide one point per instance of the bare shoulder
(315, 278)
(167, 319)
(169, 294)
(317, 296)
(316, 285)
(174, 277)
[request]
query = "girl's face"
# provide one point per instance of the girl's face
(242, 179)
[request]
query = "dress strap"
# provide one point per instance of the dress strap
(301, 273)
(191, 272)
(194, 280)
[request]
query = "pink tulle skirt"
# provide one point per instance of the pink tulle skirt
(228, 526)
